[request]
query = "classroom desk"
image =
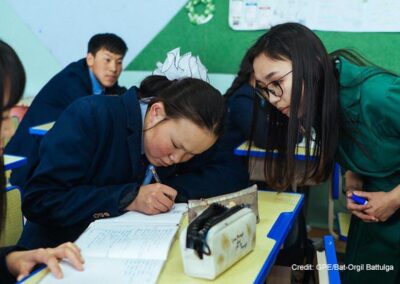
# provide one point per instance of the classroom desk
(343, 224)
(256, 163)
(277, 213)
(12, 162)
(42, 129)
(327, 265)
(256, 169)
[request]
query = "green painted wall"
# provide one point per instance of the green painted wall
(221, 48)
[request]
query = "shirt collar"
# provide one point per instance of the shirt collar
(97, 89)
(143, 108)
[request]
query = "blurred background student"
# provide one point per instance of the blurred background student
(97, 74)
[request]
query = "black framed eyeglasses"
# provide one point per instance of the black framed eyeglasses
(273, 88)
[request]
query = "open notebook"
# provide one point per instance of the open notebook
(131, 248)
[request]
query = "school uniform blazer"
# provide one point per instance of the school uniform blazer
(71, 83)
(88, 161)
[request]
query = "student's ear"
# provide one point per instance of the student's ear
(156, 113)
(90, 60)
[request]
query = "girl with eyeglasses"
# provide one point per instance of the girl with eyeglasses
(353, 108)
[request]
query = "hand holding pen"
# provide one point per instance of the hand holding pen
(153, 198)
(358, 206)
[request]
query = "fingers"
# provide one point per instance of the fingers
(72, 253)
(351, 205)
(54, 266)
(51, 258)
(364, 194)
(170, 192)
(155, 198)
(24, 272)
(364, 217)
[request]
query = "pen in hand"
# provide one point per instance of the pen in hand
(155, 175)
(151, 170)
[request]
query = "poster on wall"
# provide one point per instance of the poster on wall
(338, 15)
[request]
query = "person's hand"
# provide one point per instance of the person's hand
(20, 263)
(357, 209)
(382, 204)
(153, 199)
(354, 182)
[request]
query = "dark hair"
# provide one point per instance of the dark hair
(12, 81)
(244, 74)
(314, 95)
(188, 98)
(108, 41)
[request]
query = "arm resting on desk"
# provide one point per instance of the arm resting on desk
(68, 185)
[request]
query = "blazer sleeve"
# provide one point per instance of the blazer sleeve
(58, 192)
(5, 276)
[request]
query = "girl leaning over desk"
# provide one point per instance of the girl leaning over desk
(15, 263)
(353, 107)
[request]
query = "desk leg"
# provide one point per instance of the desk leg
(331, 209)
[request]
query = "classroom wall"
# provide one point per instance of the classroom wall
(151, 28)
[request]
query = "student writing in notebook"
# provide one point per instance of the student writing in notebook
(92, 162)
(15, 263)
(353, 107)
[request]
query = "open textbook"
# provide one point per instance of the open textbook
(131, 248)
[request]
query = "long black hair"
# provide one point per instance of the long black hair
(314, 105)
(12, 84)
(187, 98)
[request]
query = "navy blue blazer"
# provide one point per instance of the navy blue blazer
(88, 161)
(91, 159)
(71, 83)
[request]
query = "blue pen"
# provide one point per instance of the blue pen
(358, 199)
(150, 174)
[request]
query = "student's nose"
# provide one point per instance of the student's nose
(177, 156)
(113, 66)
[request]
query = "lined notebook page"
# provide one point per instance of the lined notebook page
(171, 217)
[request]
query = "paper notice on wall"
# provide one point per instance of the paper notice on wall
(338, 15)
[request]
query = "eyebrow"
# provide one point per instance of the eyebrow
(267, 77)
